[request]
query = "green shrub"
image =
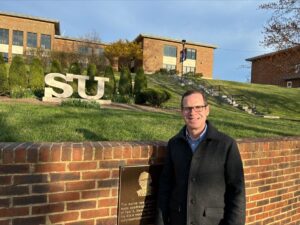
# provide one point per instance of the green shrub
(75, 68)
(198, 74)
(91, 84)
(140, 81)
(91, 70)
(18, 73)
(55, 67)
(4, 88)
(125, 82)
(81, 103)
(1, 59)
(36, 76)
(164, 71)
(122, 99)
(110, 86)
(140, 98)
(152, 96)
(173, 72)
(21, 92)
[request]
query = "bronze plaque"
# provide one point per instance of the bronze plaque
(137, 194)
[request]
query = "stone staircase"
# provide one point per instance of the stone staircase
(237, 101)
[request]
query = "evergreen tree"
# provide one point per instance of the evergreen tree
(91, 70)
(75, 68)
(55, 67)
(125, 82)
(110, 86)
(140, 81)
(36, 75)
(17, 73)
(91, 84)
(3, 77)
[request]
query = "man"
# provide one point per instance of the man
(202, 182)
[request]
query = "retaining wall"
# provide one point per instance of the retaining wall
(77, 183)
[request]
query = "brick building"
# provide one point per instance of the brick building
(160, 52)
(280, 68)
(22, 35)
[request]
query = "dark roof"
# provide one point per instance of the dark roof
(141, 36)
(56, 22)
(273, 53)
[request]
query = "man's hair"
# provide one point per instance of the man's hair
(190, 92)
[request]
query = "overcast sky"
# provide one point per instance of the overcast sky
(235, 26)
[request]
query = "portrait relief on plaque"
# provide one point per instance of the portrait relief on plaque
(145, 182)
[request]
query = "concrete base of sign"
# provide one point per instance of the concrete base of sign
(59, 100)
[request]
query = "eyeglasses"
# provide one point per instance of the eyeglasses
(197, 108)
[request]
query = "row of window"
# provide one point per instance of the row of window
(171, 51)
(186, 69)
(18, 38)
(85, 50)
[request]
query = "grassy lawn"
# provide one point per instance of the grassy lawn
(30, 122)
(269, 99)
(26, 122)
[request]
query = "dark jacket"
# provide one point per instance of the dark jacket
(204, 188)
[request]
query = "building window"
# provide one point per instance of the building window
(99, 51)
(297, 68)
(170, 51)
(85, 50)
(289, 84)
(189, 69)
(18, 38)
(45, 41)
(191, 54)
(169, 67)
(4, 36)
(5, 56)
(31, 40)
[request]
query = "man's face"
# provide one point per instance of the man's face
(194, 111)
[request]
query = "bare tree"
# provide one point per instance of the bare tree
(283, 28)
(94, 53)
(92, 36)
(282, 33)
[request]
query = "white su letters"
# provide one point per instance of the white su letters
(51, 94)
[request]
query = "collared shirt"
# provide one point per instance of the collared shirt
(195, 142)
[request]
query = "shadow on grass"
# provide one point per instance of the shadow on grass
(249, 130)
(7, 133)
(89, 135)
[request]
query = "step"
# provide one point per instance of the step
(271, 117)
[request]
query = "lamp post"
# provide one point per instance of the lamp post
(182, 56)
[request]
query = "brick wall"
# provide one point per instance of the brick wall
(77, 183)
(153, 50)
(276, 68)
(72, 45)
